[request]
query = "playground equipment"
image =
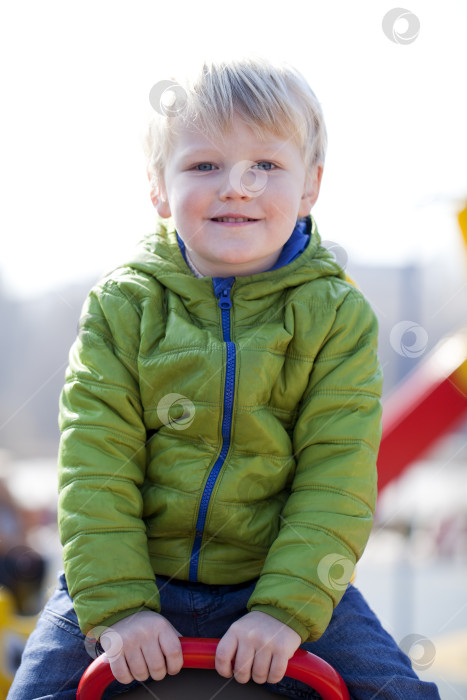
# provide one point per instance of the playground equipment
(428, 404)
(200, 654)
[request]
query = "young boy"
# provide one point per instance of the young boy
(221, 418)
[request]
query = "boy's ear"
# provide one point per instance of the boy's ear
(159, 198)
(311, 190)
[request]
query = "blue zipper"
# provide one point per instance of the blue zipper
(229, 391)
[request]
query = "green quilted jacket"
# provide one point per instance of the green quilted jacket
(219, 431)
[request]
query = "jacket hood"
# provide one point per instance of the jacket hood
(159, 255)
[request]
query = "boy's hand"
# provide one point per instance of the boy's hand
(142, 645)
(260, 647)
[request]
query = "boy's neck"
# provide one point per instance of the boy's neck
(192, 266)
(233, 270)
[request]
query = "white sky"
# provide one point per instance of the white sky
(75, 85)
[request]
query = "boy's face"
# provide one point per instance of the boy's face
(235, 202)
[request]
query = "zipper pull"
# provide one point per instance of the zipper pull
(224, 299)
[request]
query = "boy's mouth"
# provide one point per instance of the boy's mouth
(232, 219)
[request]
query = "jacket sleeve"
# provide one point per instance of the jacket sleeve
(102, 466)
(326, 521)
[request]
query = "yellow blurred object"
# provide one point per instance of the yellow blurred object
(462, 219)
(450, 659)
(14, 631)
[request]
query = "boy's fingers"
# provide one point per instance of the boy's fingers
(172, 650)
(244, 660)
(225, 652)
(277, 669)
(136, 663)
(120, 670)
(156, 663)
(260, 670)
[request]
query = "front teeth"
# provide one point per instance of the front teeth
(231, 219)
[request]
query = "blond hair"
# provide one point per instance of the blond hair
(266, 96)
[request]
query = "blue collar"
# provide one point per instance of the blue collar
(296, 244)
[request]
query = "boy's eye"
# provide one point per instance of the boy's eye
(265, 165)
(204, 167)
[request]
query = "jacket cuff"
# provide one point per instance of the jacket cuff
(285, 617)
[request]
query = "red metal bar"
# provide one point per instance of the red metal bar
(200, 653)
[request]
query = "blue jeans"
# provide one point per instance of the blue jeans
(354, 643)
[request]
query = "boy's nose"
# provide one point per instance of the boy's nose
(241, 181)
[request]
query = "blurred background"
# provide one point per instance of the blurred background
(75, 201)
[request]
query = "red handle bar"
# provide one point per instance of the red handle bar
(200, 653)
